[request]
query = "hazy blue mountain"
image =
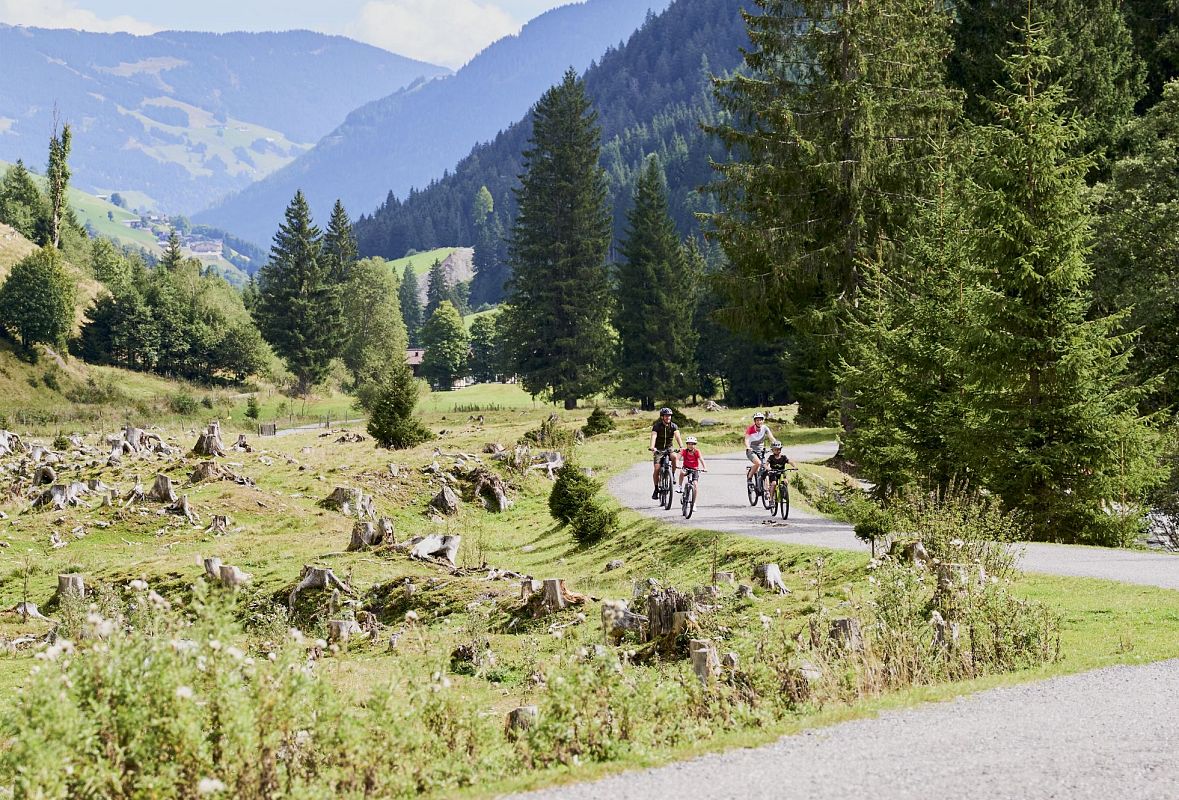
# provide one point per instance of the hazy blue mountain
(183, 118)
(411, 137)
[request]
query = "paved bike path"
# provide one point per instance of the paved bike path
(723, 506)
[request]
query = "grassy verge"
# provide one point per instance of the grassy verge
(277, 526)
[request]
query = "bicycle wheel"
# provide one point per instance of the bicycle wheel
(784, 490)
(665, 490)
(689, 500)
(767, 499)
(777, 500)
(751, 489)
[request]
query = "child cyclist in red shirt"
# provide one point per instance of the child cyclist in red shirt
(691, 459)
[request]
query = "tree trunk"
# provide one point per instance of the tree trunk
(668, 613)
(570, 403)
(70, 583)
(770, 576)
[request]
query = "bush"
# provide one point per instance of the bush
(572, 491)
(550, 434)
(207, 402)
(599, 422)
(683, 420)
(183, 403)
(61, 442)
(594, 521)
(252, 409)
(51, 380)
(95, 392)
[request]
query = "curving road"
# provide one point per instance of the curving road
(723, 506)
(1101, 734)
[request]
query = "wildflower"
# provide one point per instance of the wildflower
(138, 585)
(184, 693)
(214, 644)
(235, 654)
(272, 656)
(765, 621)
(209, 786)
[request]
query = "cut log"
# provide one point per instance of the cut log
(770, 576)
(43, 475)
(219, 525)
(846, 633)
(231, 577)
(521, 719)
(365, 535)
(134, 438)
(317, 578)
(209, 443)
(70, 584)
(341, 630)
(491, 488)
(617, 619)
(162, 490)
(182, 508)
(663, 606)
(552, 598)
(212, 566)
(529, 587)
(435, 547)
(705, 662)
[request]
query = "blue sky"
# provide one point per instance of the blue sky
(446, 32)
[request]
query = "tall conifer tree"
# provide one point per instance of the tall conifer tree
(655, 299)
(830, 130)
(57, 175)
(411, 305)
(555, 318)
(297, 302)
(339, 244)
(491, 272)
(1051, 423)
(172, 257)
(438, 290)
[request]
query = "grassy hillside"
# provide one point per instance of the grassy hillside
(421, 262)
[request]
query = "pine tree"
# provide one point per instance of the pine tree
(655, 301)
(297, 303)
(445, 340)
(438, 290)
(484, 358)
(173, 257)
(1092, 56)
(392, 422)
(58, 177)
(374, 338)
(555, 317)
(339, 245)
(37, 300)
(487, 287)
(830, 130)
(1050, 423)
(22, 205)
(411, 305)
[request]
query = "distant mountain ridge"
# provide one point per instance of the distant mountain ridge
(179, 117)
(413, 136)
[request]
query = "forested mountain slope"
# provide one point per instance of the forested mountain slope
(413, 136)
(178, 119)
(652, 96)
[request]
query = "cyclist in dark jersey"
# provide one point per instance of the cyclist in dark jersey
(664, 434)
(776, 464)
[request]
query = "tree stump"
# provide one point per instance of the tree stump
(847, 634)
(116, 455)
(491, 488)
(162, 490)
(134, 438)
(241, 445)
(723, 577)
(57, 497)
(385, 528)
(617, 619)
(341, 630)
(317, 578)
(96, 485)
(434, 548)
(745, 591)
(219, 525)
(446, 501)
(343, 499)
(231, 577)
(70, 584)
(182, 508)
(770, 576)
(952, 577)
(43, 475)
(136, 495)
(521, 719)
(800, 680)
(366, 535)
(613, 564)
(212, 566)
(705, 662)
(529, 587)
(206, 471)
(209, 443)
(662, 608)
(552, 598)
(730, 660)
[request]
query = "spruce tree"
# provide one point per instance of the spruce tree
(37, 300)
(829, 133)
(22, 205)
(555, 320)
(655, 299)
(391, 421)
(297, 303)
(339, 245)
(57, 175)
(438, 290)
(411, 305)
(1050, 422)
(172, 257)
(446, 343)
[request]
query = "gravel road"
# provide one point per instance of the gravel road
(1101, 734)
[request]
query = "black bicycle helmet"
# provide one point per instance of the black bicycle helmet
(664, 411)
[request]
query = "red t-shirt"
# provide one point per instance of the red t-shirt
(690, 459)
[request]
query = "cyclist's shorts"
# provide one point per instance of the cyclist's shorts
(658, 454)
(760, 453)
(695, 473)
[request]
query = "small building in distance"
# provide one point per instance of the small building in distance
(413, 357)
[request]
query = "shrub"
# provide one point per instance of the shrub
(594, 521)
(182, 403)
(51, 380)
(572, 491)
(207, 402)
(550, 434)
(253, 411)
(683, 420)
(599, 422)
(392, 422)
(95, 392)
(61, 442)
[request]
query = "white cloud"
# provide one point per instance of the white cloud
(66, 14)
(446, 32)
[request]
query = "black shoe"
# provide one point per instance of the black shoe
(655, 495)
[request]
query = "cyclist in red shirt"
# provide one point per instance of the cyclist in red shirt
(691, 459)
(755, 444)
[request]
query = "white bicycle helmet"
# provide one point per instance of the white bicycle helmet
(690, 440)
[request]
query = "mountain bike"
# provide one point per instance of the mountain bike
(688, 498)
(757, 488)
(665, 478)
(780, 496)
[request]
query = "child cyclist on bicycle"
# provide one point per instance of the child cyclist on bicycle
(692, 460)
(777, 464)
